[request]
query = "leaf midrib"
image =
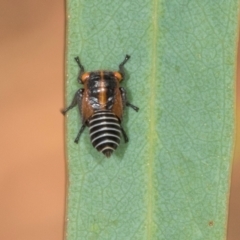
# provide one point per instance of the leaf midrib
(152, 137)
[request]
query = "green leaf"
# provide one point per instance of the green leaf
(171, 181)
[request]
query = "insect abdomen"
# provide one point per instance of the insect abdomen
(105, 131)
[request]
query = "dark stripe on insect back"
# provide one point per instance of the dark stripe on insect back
(111, 85)
(105, 131)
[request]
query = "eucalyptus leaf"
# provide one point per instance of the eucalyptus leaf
(171, 181)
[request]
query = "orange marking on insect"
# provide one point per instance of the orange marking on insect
(85, 76)
(102, 91)
(118, 75)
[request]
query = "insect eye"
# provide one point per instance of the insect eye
(85, 76)
(118, 75)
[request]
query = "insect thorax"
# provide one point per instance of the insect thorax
(102, 87)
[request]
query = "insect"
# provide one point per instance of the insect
(101, 103)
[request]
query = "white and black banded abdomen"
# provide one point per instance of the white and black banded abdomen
(105, 131)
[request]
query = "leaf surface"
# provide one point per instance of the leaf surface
(171, 181)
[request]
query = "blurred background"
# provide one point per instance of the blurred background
(32, 176)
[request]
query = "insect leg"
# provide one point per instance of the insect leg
(76, 100)
(81, 69)
(121, 69)
(124, 135)
(79, 64)
(80, 132)
(125, 101)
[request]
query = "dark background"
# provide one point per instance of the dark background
(32, 170)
